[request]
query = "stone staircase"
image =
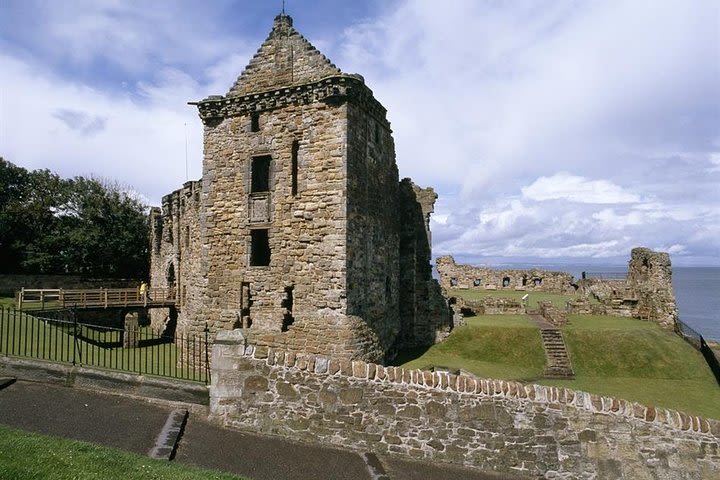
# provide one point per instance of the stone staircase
(558, 361)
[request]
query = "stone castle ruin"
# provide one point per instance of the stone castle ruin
(646, 292)
(453, 275)
(300, 231)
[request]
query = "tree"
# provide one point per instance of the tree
(80, 225)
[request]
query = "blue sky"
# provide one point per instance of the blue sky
(553, 131)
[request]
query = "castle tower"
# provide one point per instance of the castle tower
(300, 215)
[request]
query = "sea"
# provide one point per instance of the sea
(697, 291)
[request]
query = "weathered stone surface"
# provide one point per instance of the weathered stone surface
(453, 275)
(300, 232)
(646, 293)
(504, 426)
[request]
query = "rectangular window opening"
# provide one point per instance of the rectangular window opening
(254, 122)
(260, 181)
(294, 167)
(259, 248)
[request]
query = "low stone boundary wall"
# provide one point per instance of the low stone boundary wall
(492, 306)
(488, 424)
(552, 314)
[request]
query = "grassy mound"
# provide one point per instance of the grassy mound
(499, 346)
(613, 356)
(639, 361)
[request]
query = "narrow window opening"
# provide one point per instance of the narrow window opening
(537, 282)
(187, 235)
(388, 288)
(245, 304)
(294, 167)
(506, 282)
(183, 298)
(254, 122)
(377, 132)
(259, 248)
(287, 303)
(453, 282)
(477, 282)
(524, 280)
(158, 234)
(260, 174)
(170, 276)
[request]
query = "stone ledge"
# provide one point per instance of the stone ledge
(114, 382)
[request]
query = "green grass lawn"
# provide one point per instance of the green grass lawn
(559, 300)
(7, 302)
(26, 456)
(497, 346)
(613, 356)
(639, 361)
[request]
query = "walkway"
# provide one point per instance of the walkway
(94, 298)
(558, 360)
(134, 425)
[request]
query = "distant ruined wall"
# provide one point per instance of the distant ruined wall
(453, 275)
(647, 292)
(492, 425)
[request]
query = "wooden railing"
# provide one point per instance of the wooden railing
(94, 298)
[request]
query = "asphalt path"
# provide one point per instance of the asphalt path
(134, 425)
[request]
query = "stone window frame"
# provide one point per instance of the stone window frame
(254, 122)
(270, 172)
(250, 247)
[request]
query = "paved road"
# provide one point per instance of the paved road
(134, 425)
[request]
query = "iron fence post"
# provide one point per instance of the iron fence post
(207, 356)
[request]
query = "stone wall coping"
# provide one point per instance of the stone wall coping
(335, 86)
(549, 396)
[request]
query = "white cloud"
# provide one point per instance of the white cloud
(492, 101)
(142, 146)
(563, 186)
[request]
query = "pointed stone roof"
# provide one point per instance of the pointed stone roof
(286, 58)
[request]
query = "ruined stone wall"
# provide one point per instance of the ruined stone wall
(650, 276)
(453, 275)
(491, 306)
(425, 315)
(646, 293)
(175, 247)
(492, 425)
(373, 243)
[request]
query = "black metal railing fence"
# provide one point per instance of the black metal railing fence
(58, 337)
(698, 341)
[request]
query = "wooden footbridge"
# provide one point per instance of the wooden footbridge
(95, 298)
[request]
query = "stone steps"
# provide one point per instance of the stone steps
(558, 361)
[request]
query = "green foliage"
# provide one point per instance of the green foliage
(80, 225)
(25, 456)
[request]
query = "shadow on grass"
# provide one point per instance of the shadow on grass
(408, 354)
